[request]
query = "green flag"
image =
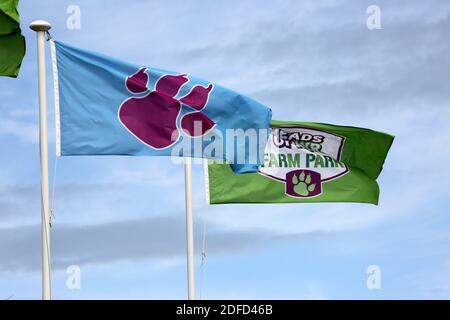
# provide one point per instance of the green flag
(307, 162)
(12, 43)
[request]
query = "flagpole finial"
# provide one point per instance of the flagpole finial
(40, 25)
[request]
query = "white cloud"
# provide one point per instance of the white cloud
(24, 131)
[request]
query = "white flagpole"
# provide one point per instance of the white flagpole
(40, 27)
(189, 228)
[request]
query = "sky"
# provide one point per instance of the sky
(121, 220)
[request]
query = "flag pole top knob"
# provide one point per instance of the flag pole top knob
(40, 25)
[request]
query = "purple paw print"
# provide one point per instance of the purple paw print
(152, 118)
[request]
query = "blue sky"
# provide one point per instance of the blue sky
(122, 219)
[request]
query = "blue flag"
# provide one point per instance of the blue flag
(108, 107)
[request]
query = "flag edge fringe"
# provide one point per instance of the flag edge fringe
(56, 97)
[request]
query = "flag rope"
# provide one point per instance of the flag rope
(52, 196)
(203, 257)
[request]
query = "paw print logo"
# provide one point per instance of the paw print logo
(303, 183)
(152, 115)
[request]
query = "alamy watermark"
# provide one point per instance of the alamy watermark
(73, 21)
(373, 281)
(373, 21)
(235, 146)
(73, 281)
